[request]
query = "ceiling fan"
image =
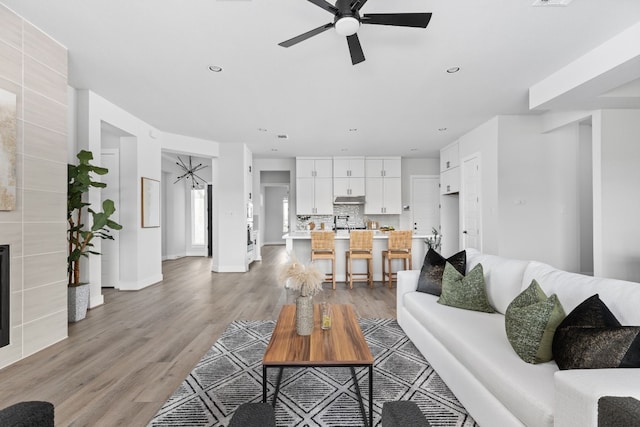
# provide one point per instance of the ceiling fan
(347, 20)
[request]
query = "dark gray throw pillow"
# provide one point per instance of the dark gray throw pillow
(591, 337)
(430, 280)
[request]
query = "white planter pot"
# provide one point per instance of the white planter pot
(78, 302)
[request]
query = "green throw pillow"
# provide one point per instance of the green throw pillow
(466, 292)
(531, 321)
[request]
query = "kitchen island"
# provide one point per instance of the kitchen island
(299, 244)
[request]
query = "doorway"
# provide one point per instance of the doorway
(471, 207)
(425, 195)
(276, 200)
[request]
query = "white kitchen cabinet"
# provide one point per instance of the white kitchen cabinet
(450, 181)
(348, 167)
(314, 186)
(307, 167)
(384, 196)
(449, 157)
(348, 187)
(314, 196)
(383, 167)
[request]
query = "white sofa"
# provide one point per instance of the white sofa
(470, 351)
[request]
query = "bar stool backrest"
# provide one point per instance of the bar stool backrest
(400, 240)
(323, 241)
(361, 240)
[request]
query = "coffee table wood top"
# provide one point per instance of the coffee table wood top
(342, 345)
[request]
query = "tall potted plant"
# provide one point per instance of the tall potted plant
(79, 181)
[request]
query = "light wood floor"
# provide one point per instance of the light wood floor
(123, 361)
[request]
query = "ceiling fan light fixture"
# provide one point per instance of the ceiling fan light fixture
(347, 26)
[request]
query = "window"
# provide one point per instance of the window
(285, 214)
(198, 216)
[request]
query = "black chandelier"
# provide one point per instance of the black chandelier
(190, 173)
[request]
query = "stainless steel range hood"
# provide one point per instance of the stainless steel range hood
(349, 200)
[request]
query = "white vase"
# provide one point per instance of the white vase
(304, 315)
(77, 302)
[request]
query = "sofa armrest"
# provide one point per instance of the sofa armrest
(578, 392)
(407, 282)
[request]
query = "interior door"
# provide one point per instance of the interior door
(471, 203)
(110, 249)
(425, 204)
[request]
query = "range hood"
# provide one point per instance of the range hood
(349, 200)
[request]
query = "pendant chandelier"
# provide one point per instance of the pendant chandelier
(190, 173)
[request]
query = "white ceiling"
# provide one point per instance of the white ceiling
(151, 58)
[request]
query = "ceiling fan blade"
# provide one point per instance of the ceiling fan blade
(325, 5)
(308, 34)
(418, 20)
(357, 55)
(356, 5)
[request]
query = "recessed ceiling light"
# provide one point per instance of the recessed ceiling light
(414, 149)
(442, 129)
(215, 68)
(262, 130)
(551, 2)
(274, 149)
(353, 129)
(453, 70)
(344, 149)
(283, 136)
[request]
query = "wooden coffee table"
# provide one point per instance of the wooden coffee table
(341, 346)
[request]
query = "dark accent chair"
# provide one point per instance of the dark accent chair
(614, 411)
(27, 414)
(403, 413)
(254, 415)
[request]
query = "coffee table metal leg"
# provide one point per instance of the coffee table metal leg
(371, 395)
(359, 394)
(275, 394)
(264, 384)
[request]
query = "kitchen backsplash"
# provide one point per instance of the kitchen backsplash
(357, 218)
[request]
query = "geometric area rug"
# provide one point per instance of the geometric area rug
(230, 374)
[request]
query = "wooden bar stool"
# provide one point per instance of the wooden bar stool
(360, 247)
(399, 247)
(323, 247)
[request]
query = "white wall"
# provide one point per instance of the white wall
(411, 167)
(140, 259)
(538, 183)
(484, 140)
(616, 176)
(273, 196)
(585, 197)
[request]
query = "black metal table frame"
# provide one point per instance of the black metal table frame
(310, 365)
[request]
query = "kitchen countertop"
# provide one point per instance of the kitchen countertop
(344, 235)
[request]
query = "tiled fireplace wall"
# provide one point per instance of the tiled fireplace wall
(34, 67)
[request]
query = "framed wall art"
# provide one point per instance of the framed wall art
(7, 150)
(150, 203)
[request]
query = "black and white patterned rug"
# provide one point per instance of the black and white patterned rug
(231, 374)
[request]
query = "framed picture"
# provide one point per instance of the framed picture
(7, 150)
(150, 203)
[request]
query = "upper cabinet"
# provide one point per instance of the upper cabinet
(348, 176)
(314, 167)
(383, 167)
(449, 157)
(348, 167)
(314, 186)
(383, 185)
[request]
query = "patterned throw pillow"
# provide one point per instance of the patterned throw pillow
(591, 337)
(466, 292)
(531, 321)
(430, 280)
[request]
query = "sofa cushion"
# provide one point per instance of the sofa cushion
(502, 276)
(430, 280)
(620, 296)
(479, 342)
(530, 323)
(465, 292)
(592, 338)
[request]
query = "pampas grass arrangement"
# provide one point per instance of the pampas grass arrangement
(304, 278)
